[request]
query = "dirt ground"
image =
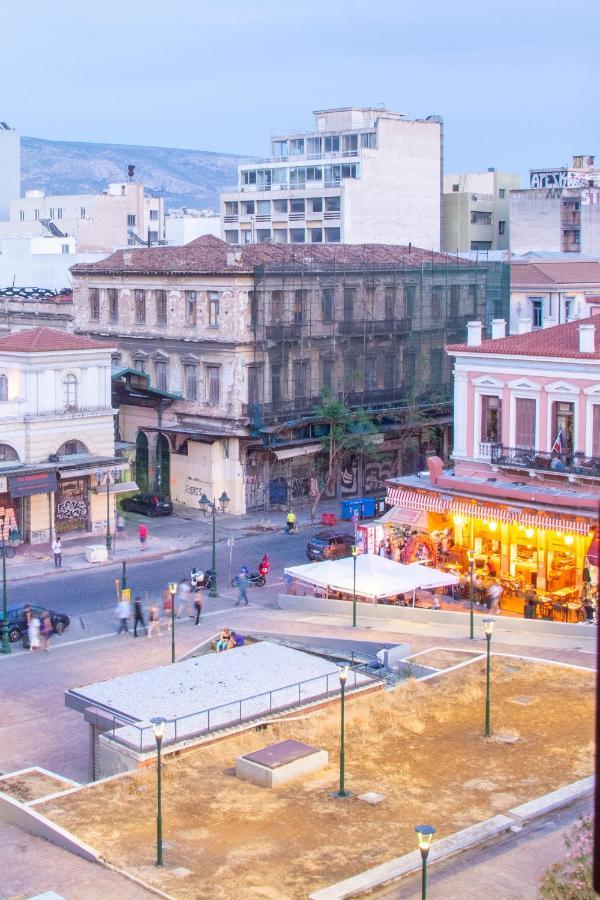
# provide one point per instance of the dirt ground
(442, 659)
(32, 785)
(421, 745)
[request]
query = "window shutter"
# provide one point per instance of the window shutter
(525, 423)
(596, 430)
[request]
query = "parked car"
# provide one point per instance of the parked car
(328, 545)
(17, 626)
(148, 504)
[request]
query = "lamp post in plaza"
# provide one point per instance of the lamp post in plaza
(107, 477)
(5, 637)
(342, 793)
(488, 625)
(471, 555)
(172, 591)
(158, 727)
(354, 555)
(425, 835)
(210, 508)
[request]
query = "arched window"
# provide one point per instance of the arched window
(8, 454)
(72, 448)
(70, 386)
(3, 387)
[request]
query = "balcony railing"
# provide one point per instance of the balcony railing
(524, 458)
(374, 326)
(290, 332)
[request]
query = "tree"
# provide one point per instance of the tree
(346, 431)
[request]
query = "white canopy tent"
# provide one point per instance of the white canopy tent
(376, 577)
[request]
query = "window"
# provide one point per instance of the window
(596, 430)
(327, 373)
(370, 372)
(22, 215)
(254, 384)
(130, 220)
(263, 235)
(275, 384)
(152, 237)
(300, 298)
(410, 297)
(537, 312)
(563, 416)
(454, 301)
(501, 193)
(350, 143)
(247, 207)
(66, 248)
(36, 214)
(348, 304)
(280, 149)
(8, 453)
(491, 419)
(315, 235)
(263, 207)
(161, 307)
(332, 204)
(368, 141)
(82, 212)
(70, 392)
(481, 245)
(390, 303)
(410, 366)
(213, 309)
(569, 306)
(280, 206)
(331, 143)
(59, 213)
(276, 307)
(140, 307)
(249, 176)
(297, 206)
(3, 388)
(302, 379)
(52, 213)
(232, 236)
(231, 207)
(246, 237)
(349, 373)
(389, 371)
(313, 146)
(315, 204)
(481, 218)
(436, 367)
(501, 227)
(253, 302)
(190, 381)
(327, 304)
(94, 304)
(213, 385)
(71, 448)
(525, 423)
(437, 294)
(160, 373)
(191, 308)
(296, 235)
(280, 235)
(332, 235)
(139, 363)
(296, 146)
(154, 215)
(113, 305)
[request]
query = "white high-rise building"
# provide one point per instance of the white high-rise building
(362, 176)
(10, 168)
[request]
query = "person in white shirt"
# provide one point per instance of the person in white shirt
(122, 613)
(57, 550)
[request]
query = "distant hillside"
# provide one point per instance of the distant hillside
(191, 178)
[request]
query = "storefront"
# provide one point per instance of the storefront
(72, 503)
(30, 497)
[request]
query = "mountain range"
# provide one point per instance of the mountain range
(185, 178)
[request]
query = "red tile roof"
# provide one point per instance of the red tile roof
(44, 340)
(559, 341)
(208, 255)
(547, 274)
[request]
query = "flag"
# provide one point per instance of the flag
(557, 445)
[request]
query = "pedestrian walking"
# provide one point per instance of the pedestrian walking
(182, 598)
(290, 522)
(33, 632)
(57, 550)
(120, 523)
(122, 613)
(143, 534)
(154, 619)
(242, 589)
(138, 615)
(167, 604)
(46, 629)
(198, 608)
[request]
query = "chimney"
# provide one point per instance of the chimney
(587, 335)
(474, 334)
(524, 326)
(233, 257)
(498, 328)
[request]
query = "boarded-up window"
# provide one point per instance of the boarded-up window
(191, 382)
(213, 388)
(161, 307)
(596, 430)
(276, 307)
(140, 307)
(525, 423)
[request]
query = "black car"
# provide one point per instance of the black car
(328, 545)
(17, 626)
(149, 504)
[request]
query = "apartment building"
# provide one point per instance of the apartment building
(559, 212)
(123, 215)
(362, 176)
(476, 210)
(547, 292)
(241, 341)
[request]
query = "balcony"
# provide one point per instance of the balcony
(539, 461)
(279, 332)
(358, 327)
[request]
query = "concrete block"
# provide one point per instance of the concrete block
(554, 800)
(372, 797)
(392, 657)
(279, 763)
(96, 553)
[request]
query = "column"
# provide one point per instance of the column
(541, 559)
(504, 548)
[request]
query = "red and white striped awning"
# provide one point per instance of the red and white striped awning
(422, 500)
(555, 523)
(477, 511)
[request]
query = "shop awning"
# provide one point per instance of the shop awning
(397, 515)
(80, 473)
(555, 523)
(416, 500)
(121, 487)
(291, 452)
(477, 511)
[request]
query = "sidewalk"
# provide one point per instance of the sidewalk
(166, 536)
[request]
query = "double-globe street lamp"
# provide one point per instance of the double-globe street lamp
(107, 477)
(158, 727)
(210, 508)
(488, 625)
(425, 835)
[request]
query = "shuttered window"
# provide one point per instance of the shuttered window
(596, 430)
(525, 423)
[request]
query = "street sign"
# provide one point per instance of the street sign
(230, 541)
(126, 594)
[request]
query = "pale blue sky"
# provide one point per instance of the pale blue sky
(516, 82)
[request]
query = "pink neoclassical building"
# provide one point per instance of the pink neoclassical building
(524, 492)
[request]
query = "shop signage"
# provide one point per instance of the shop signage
(35, 483)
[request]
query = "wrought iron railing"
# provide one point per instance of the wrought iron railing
(526, 458)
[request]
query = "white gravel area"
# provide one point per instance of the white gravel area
(216, 689)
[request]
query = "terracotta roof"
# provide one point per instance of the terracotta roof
(559, 341)
(44, 340)
(548, 274)
(208, 255)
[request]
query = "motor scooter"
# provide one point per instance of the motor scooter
(255, 579)
(201, 580)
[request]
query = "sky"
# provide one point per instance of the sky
(515, 82)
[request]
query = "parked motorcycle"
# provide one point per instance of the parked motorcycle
(202, 580)
(255, 579)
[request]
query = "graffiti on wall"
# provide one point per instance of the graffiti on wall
(71, 509)
(376, 471)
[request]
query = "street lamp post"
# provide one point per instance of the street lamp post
(471, 554)
(5, 638)
(109, 477)
(425, 835)
(354, 555)
(172, 591)
(342, 793)
(206, 505)
(488, 625)
(158, 727)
